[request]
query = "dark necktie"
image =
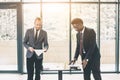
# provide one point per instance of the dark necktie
(36, 35)
(81, 43)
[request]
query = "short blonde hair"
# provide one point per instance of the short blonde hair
(37, 18)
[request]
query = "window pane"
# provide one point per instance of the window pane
(8, 36)
(54, 0)
(31, 0)
(83, 0)
(109, 0)
(107, 37)
(56, 23)
(119, 38)
(10, 0)
(30, 12)
(85, 12)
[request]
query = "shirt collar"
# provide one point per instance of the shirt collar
(35, 30)
(83, 30)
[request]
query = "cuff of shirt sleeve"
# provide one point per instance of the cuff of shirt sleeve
(75, 59)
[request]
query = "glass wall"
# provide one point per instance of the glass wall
(84, 0)
(10, 0)
(8, 39)
(55, 0)
(56, 16)
(107, 36)
(56, 23)
(31, 0)
(119, 37)
(108, 0)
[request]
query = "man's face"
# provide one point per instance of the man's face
(38, 24)
(78, 27)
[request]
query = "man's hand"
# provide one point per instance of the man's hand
(84, 63)
(31, 49)
(72, 62)
(45, 50)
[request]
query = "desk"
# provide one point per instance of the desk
(60, 73)
(59, 70)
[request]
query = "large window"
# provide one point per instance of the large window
(9, 47)
(107, 36)
(56, 23)
(8, 36)
(101, 15)
(108, 0)
(84, 0)
(9, 0)
(31, 0)
(55, 0)
(119, 37)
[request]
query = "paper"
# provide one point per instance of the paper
(74, 65)
(39, 51)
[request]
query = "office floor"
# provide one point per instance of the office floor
(55, 77)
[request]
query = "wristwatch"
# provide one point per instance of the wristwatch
(87, 60)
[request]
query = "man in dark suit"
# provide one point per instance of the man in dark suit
(87, 48)
(35, 38)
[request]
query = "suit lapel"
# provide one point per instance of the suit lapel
(32, 33)
(78, 35)
(84, 36)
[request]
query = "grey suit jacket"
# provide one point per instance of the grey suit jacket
(41, 42)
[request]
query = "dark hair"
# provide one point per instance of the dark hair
(77, 21)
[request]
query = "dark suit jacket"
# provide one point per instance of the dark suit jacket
(91, 50)
(41, 42)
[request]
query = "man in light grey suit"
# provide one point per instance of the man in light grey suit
(35, 38)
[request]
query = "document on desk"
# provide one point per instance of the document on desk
(39, 51)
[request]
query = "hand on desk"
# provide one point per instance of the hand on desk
(72, 62)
